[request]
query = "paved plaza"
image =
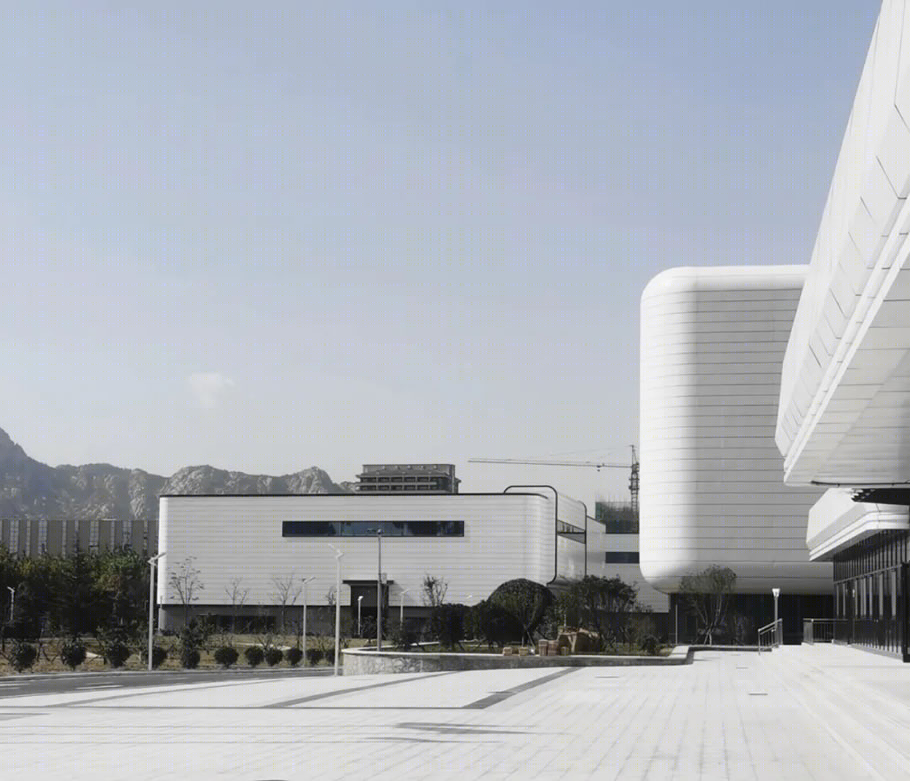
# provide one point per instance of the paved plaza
(811, 712)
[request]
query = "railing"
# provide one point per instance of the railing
(820, 630)
(771, 636)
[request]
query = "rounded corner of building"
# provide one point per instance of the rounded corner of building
(657, 574)
(678, 279)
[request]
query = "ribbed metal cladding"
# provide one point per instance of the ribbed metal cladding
(712, 491)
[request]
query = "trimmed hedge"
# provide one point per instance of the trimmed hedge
(189, 658)
(158, 656)
(117, 654)
(314, 655)
(294, 655)
(23, 656)
(273, 656)
(226, 656)
(73, 654)
(254, 655)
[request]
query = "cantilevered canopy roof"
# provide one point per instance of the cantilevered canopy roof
(836, 522)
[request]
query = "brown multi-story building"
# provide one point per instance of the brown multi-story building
(408, 478)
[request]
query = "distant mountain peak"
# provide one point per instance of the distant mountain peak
(30, 489)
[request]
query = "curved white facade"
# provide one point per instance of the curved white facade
(844, 411)
(712, 343)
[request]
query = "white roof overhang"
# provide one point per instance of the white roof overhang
(836, 522)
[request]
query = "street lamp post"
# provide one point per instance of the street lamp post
(153, 563)
(359, 630)
(378, 531)
(777, 632)
(401, 610)
(12, 602)
(379, 590)
(306, 582)
(338, 557)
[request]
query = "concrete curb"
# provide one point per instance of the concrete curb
(356, 661)
(180, 671)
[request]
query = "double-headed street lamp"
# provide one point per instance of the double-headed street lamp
(338, 557)
(153, 563)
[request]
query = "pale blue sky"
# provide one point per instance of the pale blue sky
(266, 239)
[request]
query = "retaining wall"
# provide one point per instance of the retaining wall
(358, 662)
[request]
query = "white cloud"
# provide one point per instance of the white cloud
(208, 387)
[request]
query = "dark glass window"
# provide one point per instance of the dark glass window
(621, 557)
(368, 528)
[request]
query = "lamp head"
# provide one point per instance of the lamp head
(776, 592)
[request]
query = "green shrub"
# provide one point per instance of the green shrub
(315, 655)
(650, 645)
(494, 624)
(226, 656)
(273, 656)
(189, 658)
(117, 654)
(526, 600)
(294, 655)
(158, 656)
(196, 633)
(23, 656)
(328, 654)
(405, 637)
(254, 655)
(447, 624)
(72, 655)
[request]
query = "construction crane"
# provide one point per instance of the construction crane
(598, 465)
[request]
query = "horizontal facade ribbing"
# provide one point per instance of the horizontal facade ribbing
(506, 536)
(712, 341)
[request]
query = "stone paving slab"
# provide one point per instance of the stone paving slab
(726, 716)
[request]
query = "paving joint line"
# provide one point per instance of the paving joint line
(497, 697)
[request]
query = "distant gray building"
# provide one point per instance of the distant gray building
(31, 538)
(408, 478)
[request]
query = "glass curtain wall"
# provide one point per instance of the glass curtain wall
(870, 583)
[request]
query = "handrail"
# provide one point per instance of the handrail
(771, 635)
(819, 630)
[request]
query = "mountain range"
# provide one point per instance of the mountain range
(30, 489)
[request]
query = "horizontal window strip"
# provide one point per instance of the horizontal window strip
(621, 557)
(372, 528)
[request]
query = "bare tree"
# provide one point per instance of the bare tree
(434, 590)
(287, 590)
(708, 596)
(238, 595)
(185, 581)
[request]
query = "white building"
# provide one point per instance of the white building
(712, 343)
(474, 542)
(621, 560)
(844, 413)
(712, 352)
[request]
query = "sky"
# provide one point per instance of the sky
(271, 238)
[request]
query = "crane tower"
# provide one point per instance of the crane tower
(633, 469)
